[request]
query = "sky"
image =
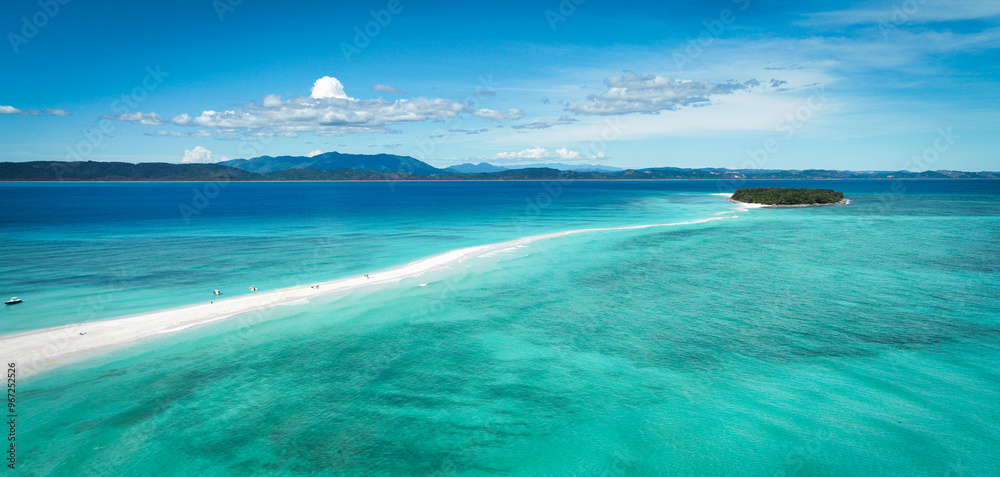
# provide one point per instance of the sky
(876, 85)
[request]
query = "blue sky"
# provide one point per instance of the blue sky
(878, 85)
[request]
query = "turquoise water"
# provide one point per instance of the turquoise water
(83, 252)
(855, 340)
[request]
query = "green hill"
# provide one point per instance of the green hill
(120, 171)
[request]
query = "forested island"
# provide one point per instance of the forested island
(788, 197)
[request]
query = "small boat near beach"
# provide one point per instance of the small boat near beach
(13, 301)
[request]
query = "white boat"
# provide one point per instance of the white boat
(13, 301)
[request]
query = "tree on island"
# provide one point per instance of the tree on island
(787, 196)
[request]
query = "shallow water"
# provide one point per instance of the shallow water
(855, 340)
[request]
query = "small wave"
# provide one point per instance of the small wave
(303, 301)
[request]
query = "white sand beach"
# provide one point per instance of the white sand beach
(38, 350)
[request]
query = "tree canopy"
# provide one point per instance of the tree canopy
(787, 196)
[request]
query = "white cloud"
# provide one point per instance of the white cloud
(168, 134)
(564, 153)
(314, 153)
(537, 152)
(499, 116)
(327, 112)
(32, 112)
(545, 123)
(905, 12)
(274, 100)
(633, 93)
(381, 88)
(328, 87)
(327, 116)
(146, 119)
(199, 133)
(530, 153)
(197, 155)
(182, 119)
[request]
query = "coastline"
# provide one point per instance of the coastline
(39, 350)
(779, 206)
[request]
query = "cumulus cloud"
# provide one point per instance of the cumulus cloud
(634, 93)
(381, 88)
(512, 114)
(314, 153)
(545, 123)
(329, 111)
(146, 119)
(537, 153)
(328, 87)
(32, 112)
(197, 155)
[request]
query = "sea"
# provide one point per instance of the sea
(851, 340)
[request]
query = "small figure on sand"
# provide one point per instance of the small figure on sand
(366, 276)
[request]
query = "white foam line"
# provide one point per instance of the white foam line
(34, 351)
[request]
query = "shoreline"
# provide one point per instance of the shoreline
(39, 350)
(781, 206)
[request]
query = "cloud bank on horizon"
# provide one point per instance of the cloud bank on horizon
(812, 85)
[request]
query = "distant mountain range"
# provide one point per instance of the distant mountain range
(334, 166)
(388, 163)
(329, 161)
